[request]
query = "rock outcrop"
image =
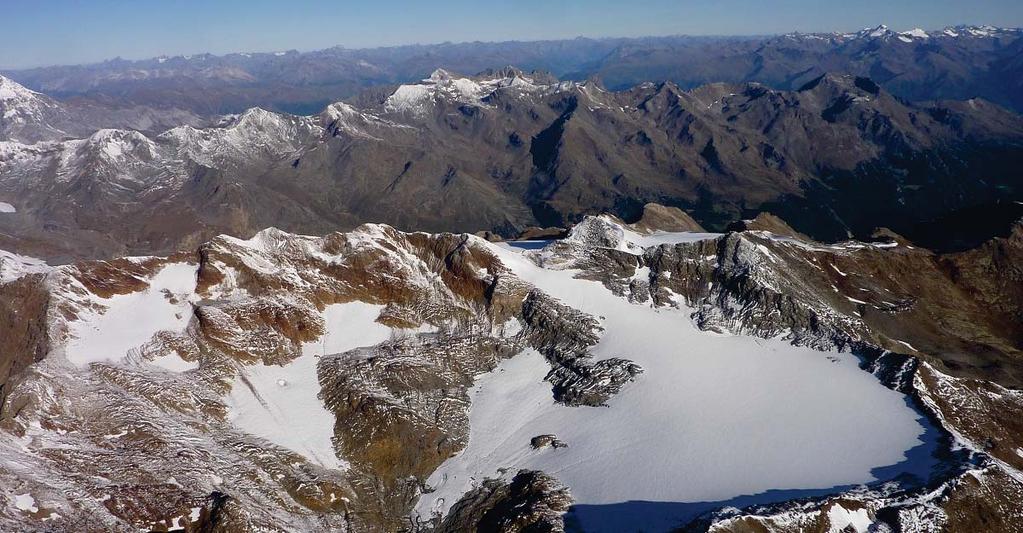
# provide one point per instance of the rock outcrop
(531, 502)
(657, 217)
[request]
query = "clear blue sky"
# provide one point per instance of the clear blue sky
(44, 32)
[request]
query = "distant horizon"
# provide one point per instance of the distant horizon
(77, 32)
(189, 55)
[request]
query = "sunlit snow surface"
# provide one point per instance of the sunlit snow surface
(712, 418)
(131, 320)
(281, 403)
(14, 266)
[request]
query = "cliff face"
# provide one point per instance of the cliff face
(24, 339)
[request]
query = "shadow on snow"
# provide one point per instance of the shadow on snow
(928, 463)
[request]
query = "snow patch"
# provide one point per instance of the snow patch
(907, 345)
(409, 98)
(845, 521)
(14, 266)
(7, 208)
(915, 33)
(281, 403)
(25, 502)
(127, 321)
(175, 363)
(712, 416)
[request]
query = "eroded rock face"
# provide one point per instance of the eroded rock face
(657, 217)
(401, 410)
(23, 334)
(400, 407)
(959, 311)
(564, 335)
(531, 502)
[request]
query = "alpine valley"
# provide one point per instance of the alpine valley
(768, 284)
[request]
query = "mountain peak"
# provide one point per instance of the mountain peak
(831, 81)
(445, 85)
(879, 31)
(440, 75)
(12, 90)
(115, 144)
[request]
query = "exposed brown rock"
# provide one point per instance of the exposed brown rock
(886, 234)
(24, 338)
(401, 406)
(533, 502)
(489, 236)
(401, 410)
(534, 233)
(765, 221)
(988, 416)
(657, 217)
(526, 158)
(989, 501)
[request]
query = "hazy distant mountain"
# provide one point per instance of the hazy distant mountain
(28, 116)
(959, 63)
(506, 150)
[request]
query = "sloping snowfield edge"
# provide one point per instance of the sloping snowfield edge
(713, 417)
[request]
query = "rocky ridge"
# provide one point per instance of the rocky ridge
(522, 150)
(153, 439)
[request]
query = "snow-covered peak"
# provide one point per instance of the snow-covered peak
(14, 92)
(439, 75)
(915, 33)
(24, 107)
(918, 35)
(258, 117)
(609, 232)
(411, 98)
(115, 145)
(339, 111)
(344, 117)
(988, 31)
(417, 98)
(240, 138)
(878, 31)
(984, 31)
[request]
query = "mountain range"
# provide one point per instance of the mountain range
(837, 158)
(959, 63)
(709, 284)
